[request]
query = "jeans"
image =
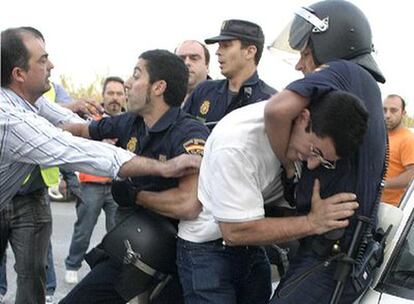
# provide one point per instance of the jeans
(316, 287)
(211, 272)
(95, 197)
(26, 222)
(50, 274)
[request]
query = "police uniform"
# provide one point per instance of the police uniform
(209, 100)
(361, 174)
(173, 134)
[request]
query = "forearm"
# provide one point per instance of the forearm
(280, 112)
(172, 203)
(139, 165)
(180, 202)
(77, 129)
(400, 181)
(266, 231)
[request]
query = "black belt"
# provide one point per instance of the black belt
(222, 242)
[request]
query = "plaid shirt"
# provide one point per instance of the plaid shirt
(28, 137)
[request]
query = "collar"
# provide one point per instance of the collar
(168, 119)
(14, 99)
(251, 81)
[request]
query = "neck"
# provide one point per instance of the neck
(237, 81)
(19, 90)
(156, 112)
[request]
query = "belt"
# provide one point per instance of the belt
(222, 242)
(320, 246)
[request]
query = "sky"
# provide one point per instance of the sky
(85, 39)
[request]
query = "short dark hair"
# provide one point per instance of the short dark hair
(259, 47)
(164, 65)
(398, 96)
(342, 117)
(109, 79)
(13, 51)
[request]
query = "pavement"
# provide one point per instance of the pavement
(64, 216)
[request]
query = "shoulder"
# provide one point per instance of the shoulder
(208, 87)
(265, 88)
(187, 125)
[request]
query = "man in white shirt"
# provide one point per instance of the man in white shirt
(218, 256)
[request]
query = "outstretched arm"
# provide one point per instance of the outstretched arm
(325, 215)
(181, 165)
(280, 112)
(77, 129)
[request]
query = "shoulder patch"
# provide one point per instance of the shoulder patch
(132, 144)
(205, 107)
(195, 146)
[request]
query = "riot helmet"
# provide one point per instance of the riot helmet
(333, 29)
(145, 243)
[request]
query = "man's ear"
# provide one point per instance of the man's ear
(159, 87)
(18, 74)
(251, 51)
(303, 117)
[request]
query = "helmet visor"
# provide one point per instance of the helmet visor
(296, 34)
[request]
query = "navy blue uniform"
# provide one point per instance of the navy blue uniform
(360, 173)
(209, 100)
(173, 134)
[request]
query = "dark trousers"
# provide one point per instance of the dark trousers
(315, 288)
(26, 223)
(99, 287)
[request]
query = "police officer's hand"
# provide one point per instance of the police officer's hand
(181, 165)
(124, 193)
(332, 212)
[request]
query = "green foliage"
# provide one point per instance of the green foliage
(409, 121)
(92, 90)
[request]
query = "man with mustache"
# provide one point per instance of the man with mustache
(30, 139)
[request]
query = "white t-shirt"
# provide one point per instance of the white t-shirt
(237, 168)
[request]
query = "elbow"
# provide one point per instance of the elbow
(193, 210)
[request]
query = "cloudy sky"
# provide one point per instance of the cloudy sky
(90, 38)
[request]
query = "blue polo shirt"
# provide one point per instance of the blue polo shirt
(173, 134)
(360, 173)
(209, 100)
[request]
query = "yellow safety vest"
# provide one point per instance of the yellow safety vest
(50, 175)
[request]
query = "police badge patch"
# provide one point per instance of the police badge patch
(205, 107)
(132, 144)
(195, 146)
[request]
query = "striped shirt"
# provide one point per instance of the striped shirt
(28, 137)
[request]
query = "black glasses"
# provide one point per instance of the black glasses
(331, 165)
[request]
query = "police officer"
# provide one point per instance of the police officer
(335, 43)
(157, 128)
(239, 52)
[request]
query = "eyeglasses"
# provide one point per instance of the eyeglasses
(331, 165)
